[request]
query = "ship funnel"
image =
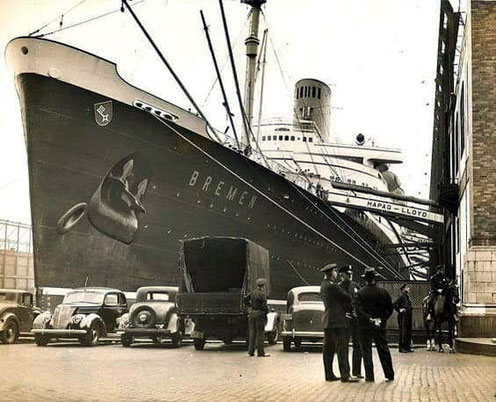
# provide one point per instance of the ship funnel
(360, 139)
(312, 106)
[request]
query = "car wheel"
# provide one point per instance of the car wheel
(273, 337)
(177, 339)
(199, 343)
(126, 340)
(10, 332)
(41, 340)
(297, 342)
(286, 344)
(92, 337)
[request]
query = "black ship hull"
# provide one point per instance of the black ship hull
(111, 203)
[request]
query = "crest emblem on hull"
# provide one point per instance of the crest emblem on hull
(103, 113)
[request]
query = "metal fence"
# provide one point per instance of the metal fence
(418, 290)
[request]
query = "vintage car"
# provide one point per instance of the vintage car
(87, 314)
(303, 318)
(154, 316)
(16, 313)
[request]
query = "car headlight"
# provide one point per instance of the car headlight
(77, 319)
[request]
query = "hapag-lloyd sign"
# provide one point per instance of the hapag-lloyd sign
(379, 205)
(385, 206)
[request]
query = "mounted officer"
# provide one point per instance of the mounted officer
(346, 274)
(438, 283)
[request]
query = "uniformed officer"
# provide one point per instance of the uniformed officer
(374, 306)
(336, 324)
(257, 318)
(346, 274)
(403, 306)
(438, 283)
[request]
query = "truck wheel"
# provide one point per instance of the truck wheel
(273, 337)
(41, 340)
(92, 337)
(177, 339)
(199, 343)
(286, 344)
(126, 340)
(10, 332)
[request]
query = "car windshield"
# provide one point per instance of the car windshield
(310, 297)
(84, 297)
(9, 297)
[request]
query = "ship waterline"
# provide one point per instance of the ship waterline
(114, 189)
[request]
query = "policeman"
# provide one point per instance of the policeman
(336, 324)
(257, 318)
(346, 274)
(438, 283)
(374, 306)
(403, 306)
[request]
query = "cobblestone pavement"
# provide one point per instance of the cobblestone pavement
(223, 373)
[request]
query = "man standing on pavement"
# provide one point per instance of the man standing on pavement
(403, 306)
(257, 318)
(336, 325)
(374, 306)
(346, 273)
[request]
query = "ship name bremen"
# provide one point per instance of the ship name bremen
(221, 189)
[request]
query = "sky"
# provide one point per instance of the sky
(378, 56)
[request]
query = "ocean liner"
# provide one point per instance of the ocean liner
(118, 177)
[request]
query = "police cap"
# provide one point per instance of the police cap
(328, 267)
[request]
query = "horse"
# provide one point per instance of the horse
(444, 311)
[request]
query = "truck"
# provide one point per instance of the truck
(218, 274)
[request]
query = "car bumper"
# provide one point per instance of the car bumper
(303, 334)
(60, 333)
(147, 331)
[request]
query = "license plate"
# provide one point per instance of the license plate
(197, 334)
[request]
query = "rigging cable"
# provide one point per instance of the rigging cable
(190, 98)
(297, 273)
(227, 57)
(235, 74)
(261, 193)
(56, 18)
(228, 109)
(83, 22)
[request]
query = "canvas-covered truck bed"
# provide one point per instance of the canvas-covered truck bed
(217, 273)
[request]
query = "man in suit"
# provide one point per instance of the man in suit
(336, 324)
(346, 274)
(374, 306)
(403, 306)
(257, 300)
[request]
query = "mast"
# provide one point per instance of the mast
(251, 43)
